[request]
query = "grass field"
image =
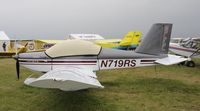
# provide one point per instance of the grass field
(171, 88)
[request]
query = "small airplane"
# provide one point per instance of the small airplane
(8, 47)
(189, 48)
(72, 64)
(13, 47)
(130, 41)
(90, 37)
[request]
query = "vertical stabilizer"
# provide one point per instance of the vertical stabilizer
(131, 38)
(157, 40)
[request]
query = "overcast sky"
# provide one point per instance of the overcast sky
(55, 19)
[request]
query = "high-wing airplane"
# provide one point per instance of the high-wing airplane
(71, 65)
(9, 47)
(189, 48)
(130, 41)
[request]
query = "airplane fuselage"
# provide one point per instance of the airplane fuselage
(45, 65)
(183, 51)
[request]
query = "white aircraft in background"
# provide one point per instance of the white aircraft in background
(189, 48)
(71, 65)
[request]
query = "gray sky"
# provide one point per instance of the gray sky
(55, 19)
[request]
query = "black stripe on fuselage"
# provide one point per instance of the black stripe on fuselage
(52, 64)
(49, 62)
(183, 49)
(44, 61)
(147, 61)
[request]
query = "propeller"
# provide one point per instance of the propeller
(17, 65)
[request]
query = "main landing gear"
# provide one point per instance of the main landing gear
(188, 63)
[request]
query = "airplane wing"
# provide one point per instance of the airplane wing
(7, 54)
(66, 79)
(171, 59)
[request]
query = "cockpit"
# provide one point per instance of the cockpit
(73, 48)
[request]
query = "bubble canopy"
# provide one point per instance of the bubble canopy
(73, 48)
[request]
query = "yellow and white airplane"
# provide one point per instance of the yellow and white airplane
(130, 41)
(11, 47)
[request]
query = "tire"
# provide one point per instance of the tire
(190, 64)
(182, 63)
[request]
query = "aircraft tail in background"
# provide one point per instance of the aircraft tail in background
(131, 38)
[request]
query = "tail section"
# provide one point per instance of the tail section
(131, 38)
(157, 40)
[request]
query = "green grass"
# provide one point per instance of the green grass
(170, 88)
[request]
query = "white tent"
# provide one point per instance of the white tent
(4, 41)
(3, 36)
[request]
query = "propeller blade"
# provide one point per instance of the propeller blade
(17, 68)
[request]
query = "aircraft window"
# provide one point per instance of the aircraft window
(73, 48)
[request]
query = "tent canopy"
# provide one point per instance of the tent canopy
(3, 36)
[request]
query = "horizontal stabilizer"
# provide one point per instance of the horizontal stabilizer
(170, 60)
(65, 79)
